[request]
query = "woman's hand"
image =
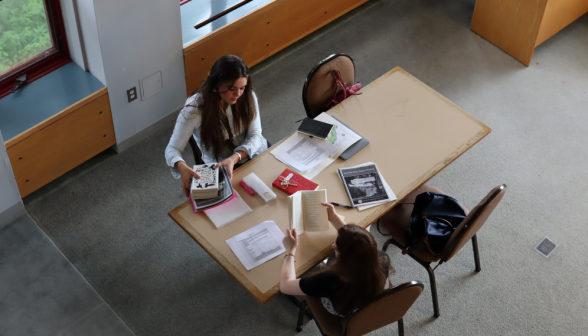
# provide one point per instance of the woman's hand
(229, 163)
(186, 173)
(334, 218)
(290, 241)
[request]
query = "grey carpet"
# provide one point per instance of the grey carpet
(110, 219)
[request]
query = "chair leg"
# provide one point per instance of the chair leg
(301, 316)
(386, 244)
(303, 310)
(400, 327)
(433, 290)
(476, 253)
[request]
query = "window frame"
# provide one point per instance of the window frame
(41, 66)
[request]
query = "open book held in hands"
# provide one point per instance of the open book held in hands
(306, 211)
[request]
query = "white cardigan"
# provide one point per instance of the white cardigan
(189, 122)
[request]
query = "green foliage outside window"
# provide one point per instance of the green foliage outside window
(24, 32)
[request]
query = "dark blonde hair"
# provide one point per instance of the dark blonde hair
(226, 70)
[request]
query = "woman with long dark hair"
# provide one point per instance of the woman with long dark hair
(359, 272)
(223, 115)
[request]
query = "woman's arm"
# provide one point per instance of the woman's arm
(288, 282)
(183, 130)
(334, 218)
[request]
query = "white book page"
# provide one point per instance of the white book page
(258, 244)
(315, 214)
(296, 211)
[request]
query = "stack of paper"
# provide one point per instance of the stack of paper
(354, 176)
(309, 156)
(228, 212)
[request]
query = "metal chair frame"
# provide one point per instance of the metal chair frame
(313, 71)
(448, 250)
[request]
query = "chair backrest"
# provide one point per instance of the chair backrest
(388, 307)
(473, 222)
(319, 86)
(196, 151)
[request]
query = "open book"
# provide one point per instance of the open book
(306, 211)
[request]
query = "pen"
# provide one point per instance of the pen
(342, 205)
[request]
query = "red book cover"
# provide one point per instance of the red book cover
(301, 183)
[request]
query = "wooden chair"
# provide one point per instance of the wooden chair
(319, 86)
(196, 151)
(388, 307)
(396, 222)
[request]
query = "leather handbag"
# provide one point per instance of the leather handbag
(342, 91)
(432, 221)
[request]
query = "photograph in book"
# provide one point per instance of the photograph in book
(363, 185)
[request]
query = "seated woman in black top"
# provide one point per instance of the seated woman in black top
(358, 273)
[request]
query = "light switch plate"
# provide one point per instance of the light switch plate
(151, 85)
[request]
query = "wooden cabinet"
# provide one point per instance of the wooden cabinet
(261, 34)
(518, 26)
(59, 144)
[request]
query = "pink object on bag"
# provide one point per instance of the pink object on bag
(345, 91)
(246, 187)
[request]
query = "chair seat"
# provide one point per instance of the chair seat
(396, 222)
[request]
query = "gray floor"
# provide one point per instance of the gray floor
(110, 216)
(42, 293)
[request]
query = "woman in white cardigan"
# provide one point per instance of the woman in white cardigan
(223, 115)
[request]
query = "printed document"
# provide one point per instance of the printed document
(303, 153)
(258, 244)
(345, 137)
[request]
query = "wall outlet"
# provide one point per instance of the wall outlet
(132, 94)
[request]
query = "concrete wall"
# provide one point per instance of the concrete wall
(137, 39)
(11, 205)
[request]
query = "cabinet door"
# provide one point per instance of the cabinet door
(61, 146)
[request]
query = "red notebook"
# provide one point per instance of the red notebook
(301, 183)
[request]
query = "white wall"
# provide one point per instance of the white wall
(137, 39)
(11, 205)
(88, 41)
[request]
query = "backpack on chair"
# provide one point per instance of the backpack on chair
(432, 221)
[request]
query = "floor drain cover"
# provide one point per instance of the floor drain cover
(546, 247)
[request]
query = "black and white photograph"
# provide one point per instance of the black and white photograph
(363, 185)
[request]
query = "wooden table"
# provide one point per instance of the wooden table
(414, 133)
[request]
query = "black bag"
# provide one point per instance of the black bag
(432, 221)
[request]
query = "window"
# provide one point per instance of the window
(32, 41)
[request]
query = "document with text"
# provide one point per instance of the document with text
(258, 244)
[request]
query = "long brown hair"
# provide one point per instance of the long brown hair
(360, 266)
(226, 70)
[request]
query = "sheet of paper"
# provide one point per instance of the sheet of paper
(315, 214)
(258, 244)
(345, 137)
(305, 153)
(228, 212)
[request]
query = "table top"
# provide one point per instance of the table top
(414, 133)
